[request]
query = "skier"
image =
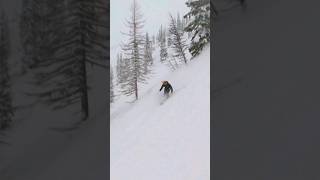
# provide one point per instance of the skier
(167, 87)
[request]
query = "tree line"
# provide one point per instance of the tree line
(135, 62)
(59, 39)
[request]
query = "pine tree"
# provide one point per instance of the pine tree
(178, 41)
(148, 50)
(169, 41)
(119, 68)
(111, 86)
(34, 27)
(199, 25)
(162, 35)
(6, 108)
(134, 53)
(76, 34)
(179, 23)
(163, 52)
(147, 56)
(125, 76)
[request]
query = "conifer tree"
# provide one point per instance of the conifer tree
(163, 51)
(73, 33)
(119, 68)
(133, 51)
(34, 29)
(179, 23)
(178, 41)
(111, 86)
(199, 25)
(148, 50)
(162, 35)
(6, 108)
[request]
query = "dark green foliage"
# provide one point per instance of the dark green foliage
(199, 24)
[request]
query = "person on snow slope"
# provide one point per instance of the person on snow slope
(167, 88)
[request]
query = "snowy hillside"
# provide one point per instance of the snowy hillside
(169, 141)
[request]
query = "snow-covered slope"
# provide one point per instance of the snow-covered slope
(169, 141)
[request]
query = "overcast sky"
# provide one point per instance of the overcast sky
(156, 12)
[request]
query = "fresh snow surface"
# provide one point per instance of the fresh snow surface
(169, 141)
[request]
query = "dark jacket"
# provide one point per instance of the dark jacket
(167, 87)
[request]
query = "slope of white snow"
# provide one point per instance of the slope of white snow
(169, 141)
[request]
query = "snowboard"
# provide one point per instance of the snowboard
(170, 95)
(165, 98)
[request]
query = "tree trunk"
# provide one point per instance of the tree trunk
(84, 89)
(136, 88)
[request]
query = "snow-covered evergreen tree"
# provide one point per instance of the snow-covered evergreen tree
(179, 23)
(169, 41)
(162, 35)
(119, 68)
(178, 42)
(163, 51)
(159, 35)
(133, 51)
(6, 108)
(148, 50)
(125, 75)
(147, 56)
(111, 86)
(199, 25)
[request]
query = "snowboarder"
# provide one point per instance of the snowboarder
(167, 87)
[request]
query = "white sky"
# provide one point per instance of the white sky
(155, 13)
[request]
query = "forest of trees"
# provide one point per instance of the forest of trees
(59, 39)
(135, 62)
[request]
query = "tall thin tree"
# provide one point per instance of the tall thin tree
(77, 35)
(133, 51)
(163, 51)
(6, 108)
(111, 86)
(199, 26)
(148, 51)
(178, 41)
